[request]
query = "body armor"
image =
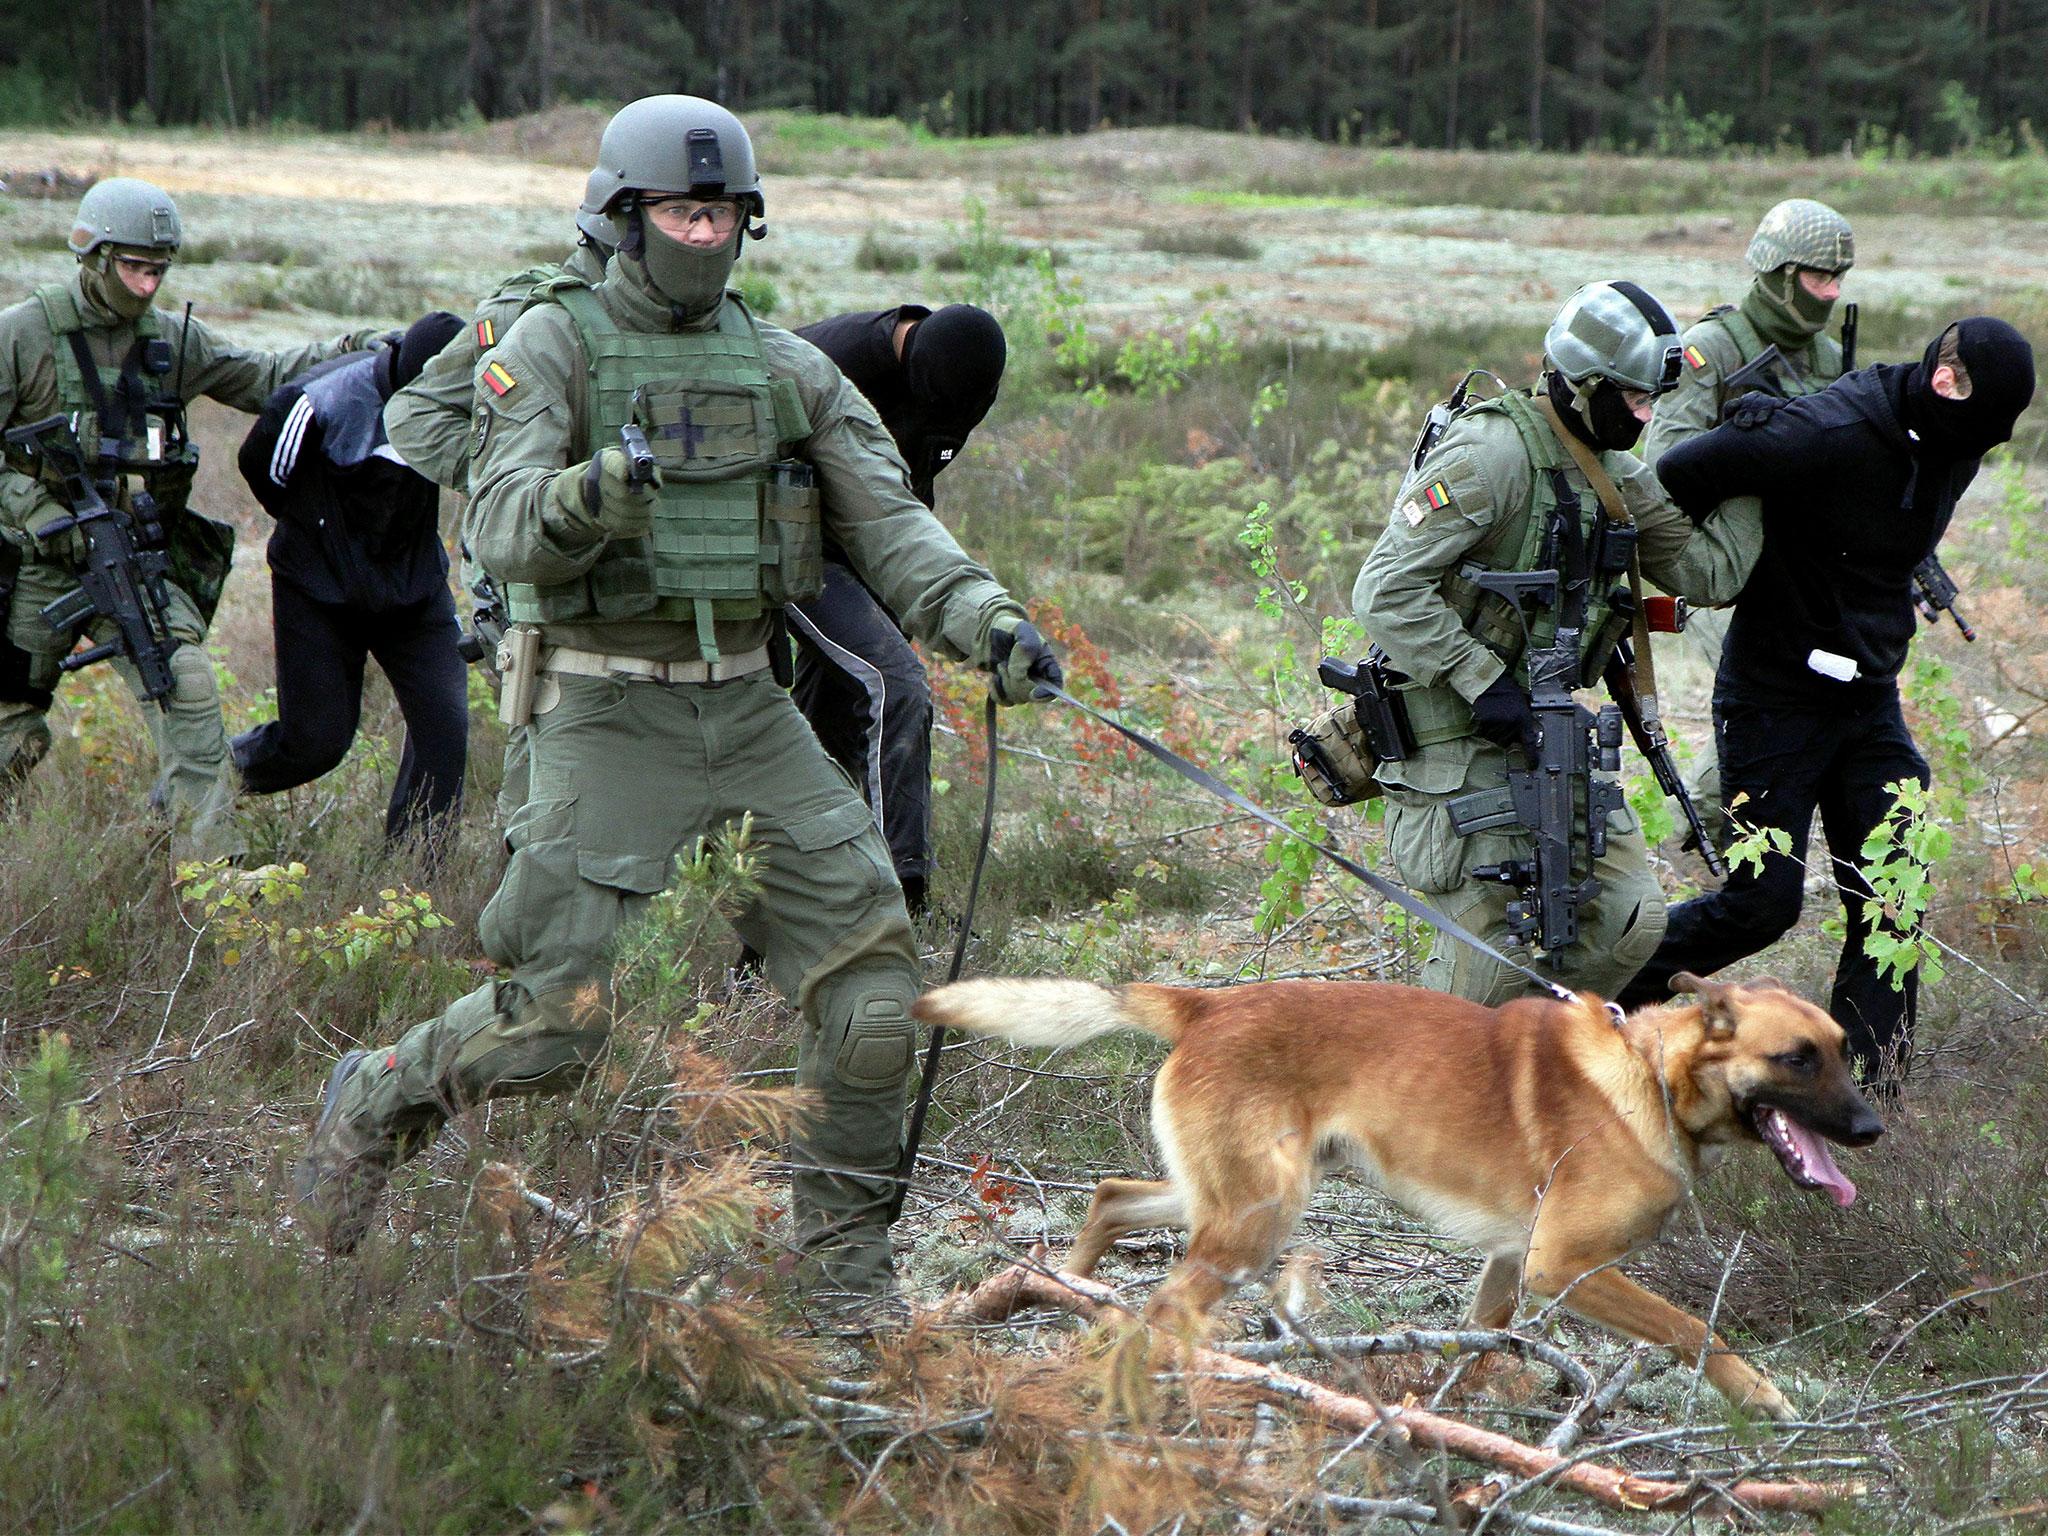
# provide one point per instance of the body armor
(736, 529)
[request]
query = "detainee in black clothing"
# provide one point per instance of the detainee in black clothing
(931, 377)
(357, 570)
(1858, 483)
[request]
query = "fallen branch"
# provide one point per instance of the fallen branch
(1021, 1286)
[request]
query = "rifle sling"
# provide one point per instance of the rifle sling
(1642, 665)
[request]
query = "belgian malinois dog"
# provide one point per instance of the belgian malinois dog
(1555, 1137)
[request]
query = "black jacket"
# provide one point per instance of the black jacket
(863, 345)
(1850, 507)
(354, 524)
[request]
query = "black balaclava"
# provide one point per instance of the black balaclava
(2001, 369)
(422, 341)
(953, 364)
(1606, 424)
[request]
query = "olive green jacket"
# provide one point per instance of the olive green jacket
(213, 368)
(528, 434)
(1711, 354)
(1484, 474)
(428, 421)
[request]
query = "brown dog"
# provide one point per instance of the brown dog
(1556, 1138)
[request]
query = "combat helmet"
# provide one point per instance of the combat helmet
(1800, 232)
(1615, 331)
(122, 211)
(591, 218)
(675, 144)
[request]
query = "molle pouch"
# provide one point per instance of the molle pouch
(792, 537)
(1331, 755)
(1615, 547)
(707, 429)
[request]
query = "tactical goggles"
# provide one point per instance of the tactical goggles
(143, 266)
(681, 213)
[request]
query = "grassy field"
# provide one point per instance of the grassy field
(578, 1317)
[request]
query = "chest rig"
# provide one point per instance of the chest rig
(736, 530)
(1558, 528)
(128, 415)
(1787, 375)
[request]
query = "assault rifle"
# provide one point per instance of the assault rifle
(123, 581)
(1936, 595)
(1542, 799)
(1655, 746)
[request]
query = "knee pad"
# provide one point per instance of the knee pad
(866, 1032)
(1640, 938)
(22, 748)
(191, 675)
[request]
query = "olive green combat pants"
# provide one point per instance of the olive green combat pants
(625, 776)
(1618, 929)
(196, 778)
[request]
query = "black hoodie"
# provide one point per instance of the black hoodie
(1852, 501)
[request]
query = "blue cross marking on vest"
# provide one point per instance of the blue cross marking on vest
(690, 433)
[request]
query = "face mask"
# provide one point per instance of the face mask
(2001, 369)
(1785, 296)
(1614, 425)
(690, 277)
(102, 284)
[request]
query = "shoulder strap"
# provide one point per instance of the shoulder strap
(1744, 335)
(1588, 462)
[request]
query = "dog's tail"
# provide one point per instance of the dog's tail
(1054, 1011)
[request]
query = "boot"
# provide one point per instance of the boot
(340, 1177)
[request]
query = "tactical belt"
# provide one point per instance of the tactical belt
(638, 669)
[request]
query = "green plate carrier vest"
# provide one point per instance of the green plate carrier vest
(736, 525)
(1516, 544)
(156, 450)
(1792, 380)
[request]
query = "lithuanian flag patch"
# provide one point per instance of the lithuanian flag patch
(1696, 357)
(499, 377)
(486, 335)
(1438, 496)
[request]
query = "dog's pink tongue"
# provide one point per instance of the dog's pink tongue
(1821, 1164)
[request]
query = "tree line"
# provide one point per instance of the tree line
(1686, 77)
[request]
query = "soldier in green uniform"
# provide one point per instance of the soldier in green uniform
(1482, 500)
(429, 421)
(1775, 341)
(655, 717)
(95, 348)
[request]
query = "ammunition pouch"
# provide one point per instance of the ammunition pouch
(1332, 757)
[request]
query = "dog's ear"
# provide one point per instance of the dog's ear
(1716, 1010)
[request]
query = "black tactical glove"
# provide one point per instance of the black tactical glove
(1018, 658)
(1502, 715)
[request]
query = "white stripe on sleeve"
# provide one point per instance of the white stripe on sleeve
(290, 438)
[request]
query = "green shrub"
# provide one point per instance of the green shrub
(878, 253)
(1199, 240)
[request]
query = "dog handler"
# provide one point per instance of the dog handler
(655, 717)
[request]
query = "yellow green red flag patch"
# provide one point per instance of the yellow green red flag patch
(1696, 357)
(486, 335)
(1438, 496)
(499, 378)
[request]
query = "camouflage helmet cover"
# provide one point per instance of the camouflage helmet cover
(1800, 232)
(1614, 330)
(675, 144)
(122, 211)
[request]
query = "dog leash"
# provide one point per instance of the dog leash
(928, 1082)
(1204, 779)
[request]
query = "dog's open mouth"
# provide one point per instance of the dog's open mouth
(1805, 1156)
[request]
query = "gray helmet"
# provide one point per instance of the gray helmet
(590, 214)
(1802, 233)
(675, 144)
(124, 211)
(1615, 331)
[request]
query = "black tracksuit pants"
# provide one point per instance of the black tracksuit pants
(1791, 760)
(866, 695)
(321, 650)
